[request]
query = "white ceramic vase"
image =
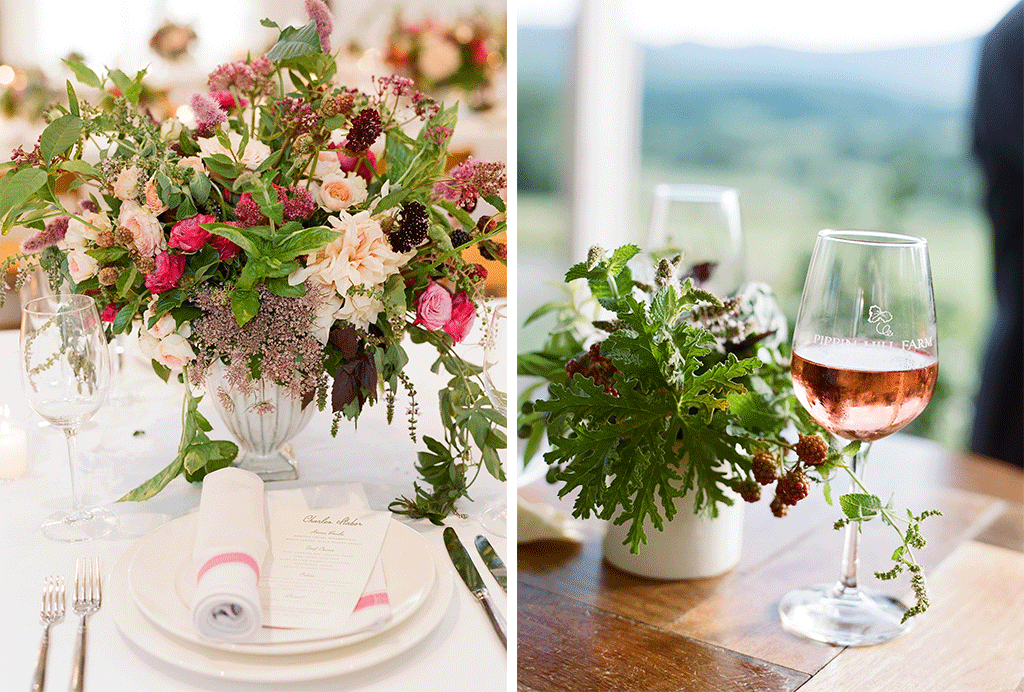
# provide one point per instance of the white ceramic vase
(689, 547)
(262, 422)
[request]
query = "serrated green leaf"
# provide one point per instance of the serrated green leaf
(83, 74)
(858, 506)
(59, 135)
(72, 99)
(244, 304)
(295, 43)
(16, 188)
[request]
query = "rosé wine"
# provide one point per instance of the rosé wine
(863, 390)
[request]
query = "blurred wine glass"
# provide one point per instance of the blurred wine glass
(495, 379)
(65, 374)
(702, 223)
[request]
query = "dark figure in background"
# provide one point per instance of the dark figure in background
(998, 134)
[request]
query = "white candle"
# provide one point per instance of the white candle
(13, 448)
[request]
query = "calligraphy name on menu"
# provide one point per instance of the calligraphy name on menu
(344, 521)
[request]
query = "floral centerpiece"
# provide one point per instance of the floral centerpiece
(296, 232)
(638, 375)
(462, 55)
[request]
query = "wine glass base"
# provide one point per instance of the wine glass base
(859, 617)
(75, 526)
(495, 519)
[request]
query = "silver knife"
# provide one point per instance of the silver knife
(493, 562)
(464, 565)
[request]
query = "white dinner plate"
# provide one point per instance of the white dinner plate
(244, 667)
(161, 578)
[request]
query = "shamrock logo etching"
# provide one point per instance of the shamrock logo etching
(880, 319)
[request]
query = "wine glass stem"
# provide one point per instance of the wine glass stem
(847, 584)
(71, 435)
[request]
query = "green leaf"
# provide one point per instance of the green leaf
(270, 24)
(83, 74)
(16, 188)
(161, 370)
(392, 199)
(200, 187)
(245, 304)
(279, 286)
(294, 43)
(156, 483)
(223, 166)
(72, 100)
(80, 167)
(59, 135)
(859, 506)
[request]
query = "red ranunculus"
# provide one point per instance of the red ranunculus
(110, 312)
(462, 316)
(223, 246)
(433, 307)
(187, 235)
(168, 272)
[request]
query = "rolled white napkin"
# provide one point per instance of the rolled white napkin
(231, 542)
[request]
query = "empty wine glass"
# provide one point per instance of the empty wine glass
(865, 361)
(495, 377)
(701, 222)
(65, 373)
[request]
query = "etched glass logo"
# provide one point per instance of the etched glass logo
(881, 319)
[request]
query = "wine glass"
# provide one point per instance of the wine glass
(495, 377)
(701, 222)
(65, 373)
(865, 361)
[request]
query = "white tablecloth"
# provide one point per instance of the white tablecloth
(127, 443)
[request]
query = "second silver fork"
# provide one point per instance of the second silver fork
(50, 613)
(88, 598)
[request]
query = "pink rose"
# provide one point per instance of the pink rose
(223, 246)
(168, 272)
(110, 312)
(366, 163)
(461, 320)
(144, 226)
(433, 307)
(187, 235)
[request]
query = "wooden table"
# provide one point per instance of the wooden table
(585, 626)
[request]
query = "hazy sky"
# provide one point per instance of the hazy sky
(817, 25)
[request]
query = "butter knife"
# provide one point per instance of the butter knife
(464, 565)
(493, 562)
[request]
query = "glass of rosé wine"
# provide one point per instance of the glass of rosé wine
(865, 361)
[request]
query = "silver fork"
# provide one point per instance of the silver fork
(88, 597)
(50, 613)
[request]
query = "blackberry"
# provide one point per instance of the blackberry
(763, 466)
(366, 128)
(460, 238)
(778, 508)
(412, 227)
(792, 487)
(811, 449)
(749, 490)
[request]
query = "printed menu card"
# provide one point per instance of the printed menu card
(318, 564)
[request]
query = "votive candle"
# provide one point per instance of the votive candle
(13, 448)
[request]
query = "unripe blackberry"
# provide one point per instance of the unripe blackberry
(105, 238)
(123, 236)
(108, 276)
(792, 487)
(778, 508)
(749, 490)
(145, 265)
(764, 469)
(812, 449)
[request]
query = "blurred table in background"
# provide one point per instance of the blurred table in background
(584, 625)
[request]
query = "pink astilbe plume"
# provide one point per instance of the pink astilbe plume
(318, 12)
(51, 235)
(471, 179)
(208, 114)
